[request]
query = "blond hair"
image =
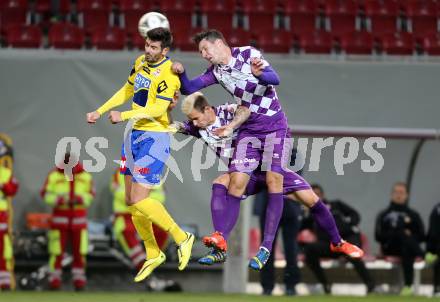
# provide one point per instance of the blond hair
(194, 101)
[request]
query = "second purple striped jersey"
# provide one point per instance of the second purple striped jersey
(222, 146)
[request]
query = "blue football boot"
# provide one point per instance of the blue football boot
(214, 256)
(257, 262)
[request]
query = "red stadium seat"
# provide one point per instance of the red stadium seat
(357, 42)
(94, 13)
(183, 39)
(279, 41)
(259, 6)
(302, 15)
(382, 16)
(179, 13)
(431, 44)
(319, 42)
(44, 6)
(423, 16)
(399, 43)
(12, 12)
(219, 13)
(177, 5)
(238, 37)
(342, 15)
(24, 36)
(138, 41)
(132, 11)
(261, 14)
(110, 38)
(218, 6)
(66, 35)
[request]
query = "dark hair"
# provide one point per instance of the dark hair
(317, 186)
(401, 184)
(200, 103)
(211, 35)
(161, 34)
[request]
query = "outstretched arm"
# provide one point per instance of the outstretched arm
(186, 128)
(119, 98)
(190, 86)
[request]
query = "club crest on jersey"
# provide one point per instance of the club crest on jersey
(141, 82)
(156, 72)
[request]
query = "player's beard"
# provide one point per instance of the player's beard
(152, 58)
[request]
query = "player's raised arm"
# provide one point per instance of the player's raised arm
(149, 112)
(190, 86)
(241, 115)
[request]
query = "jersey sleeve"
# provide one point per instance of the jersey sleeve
(119, 98)
(190, 129)
(157, 109)
(208, 78)
(204, 80)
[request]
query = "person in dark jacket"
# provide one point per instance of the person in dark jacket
(347, 220)
(400, 231)
(433, 247)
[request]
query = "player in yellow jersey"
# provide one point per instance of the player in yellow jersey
(152, 85)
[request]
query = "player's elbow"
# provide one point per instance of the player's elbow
(274, 79)
(184, 91)
(188, 90)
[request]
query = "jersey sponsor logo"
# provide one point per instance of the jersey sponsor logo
(162, 87)
(141, 82)
(141, 170)
(243, 161)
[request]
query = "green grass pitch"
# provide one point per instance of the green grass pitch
(186, 297)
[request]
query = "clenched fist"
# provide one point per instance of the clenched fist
(92, 117)
(177, 67)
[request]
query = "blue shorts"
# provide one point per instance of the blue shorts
(144, 154)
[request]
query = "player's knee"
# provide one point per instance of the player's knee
(307, 197)
(134, 198)
(222, 180)
(127, 199)
(237, 184)
(274, 180)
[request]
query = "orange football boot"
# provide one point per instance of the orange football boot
(216, 240)
(348, 249)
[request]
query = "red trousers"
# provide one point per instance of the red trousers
(59, 240)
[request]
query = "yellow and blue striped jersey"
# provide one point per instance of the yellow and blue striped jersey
(152, 87)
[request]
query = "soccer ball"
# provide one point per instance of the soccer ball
(152, 20)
